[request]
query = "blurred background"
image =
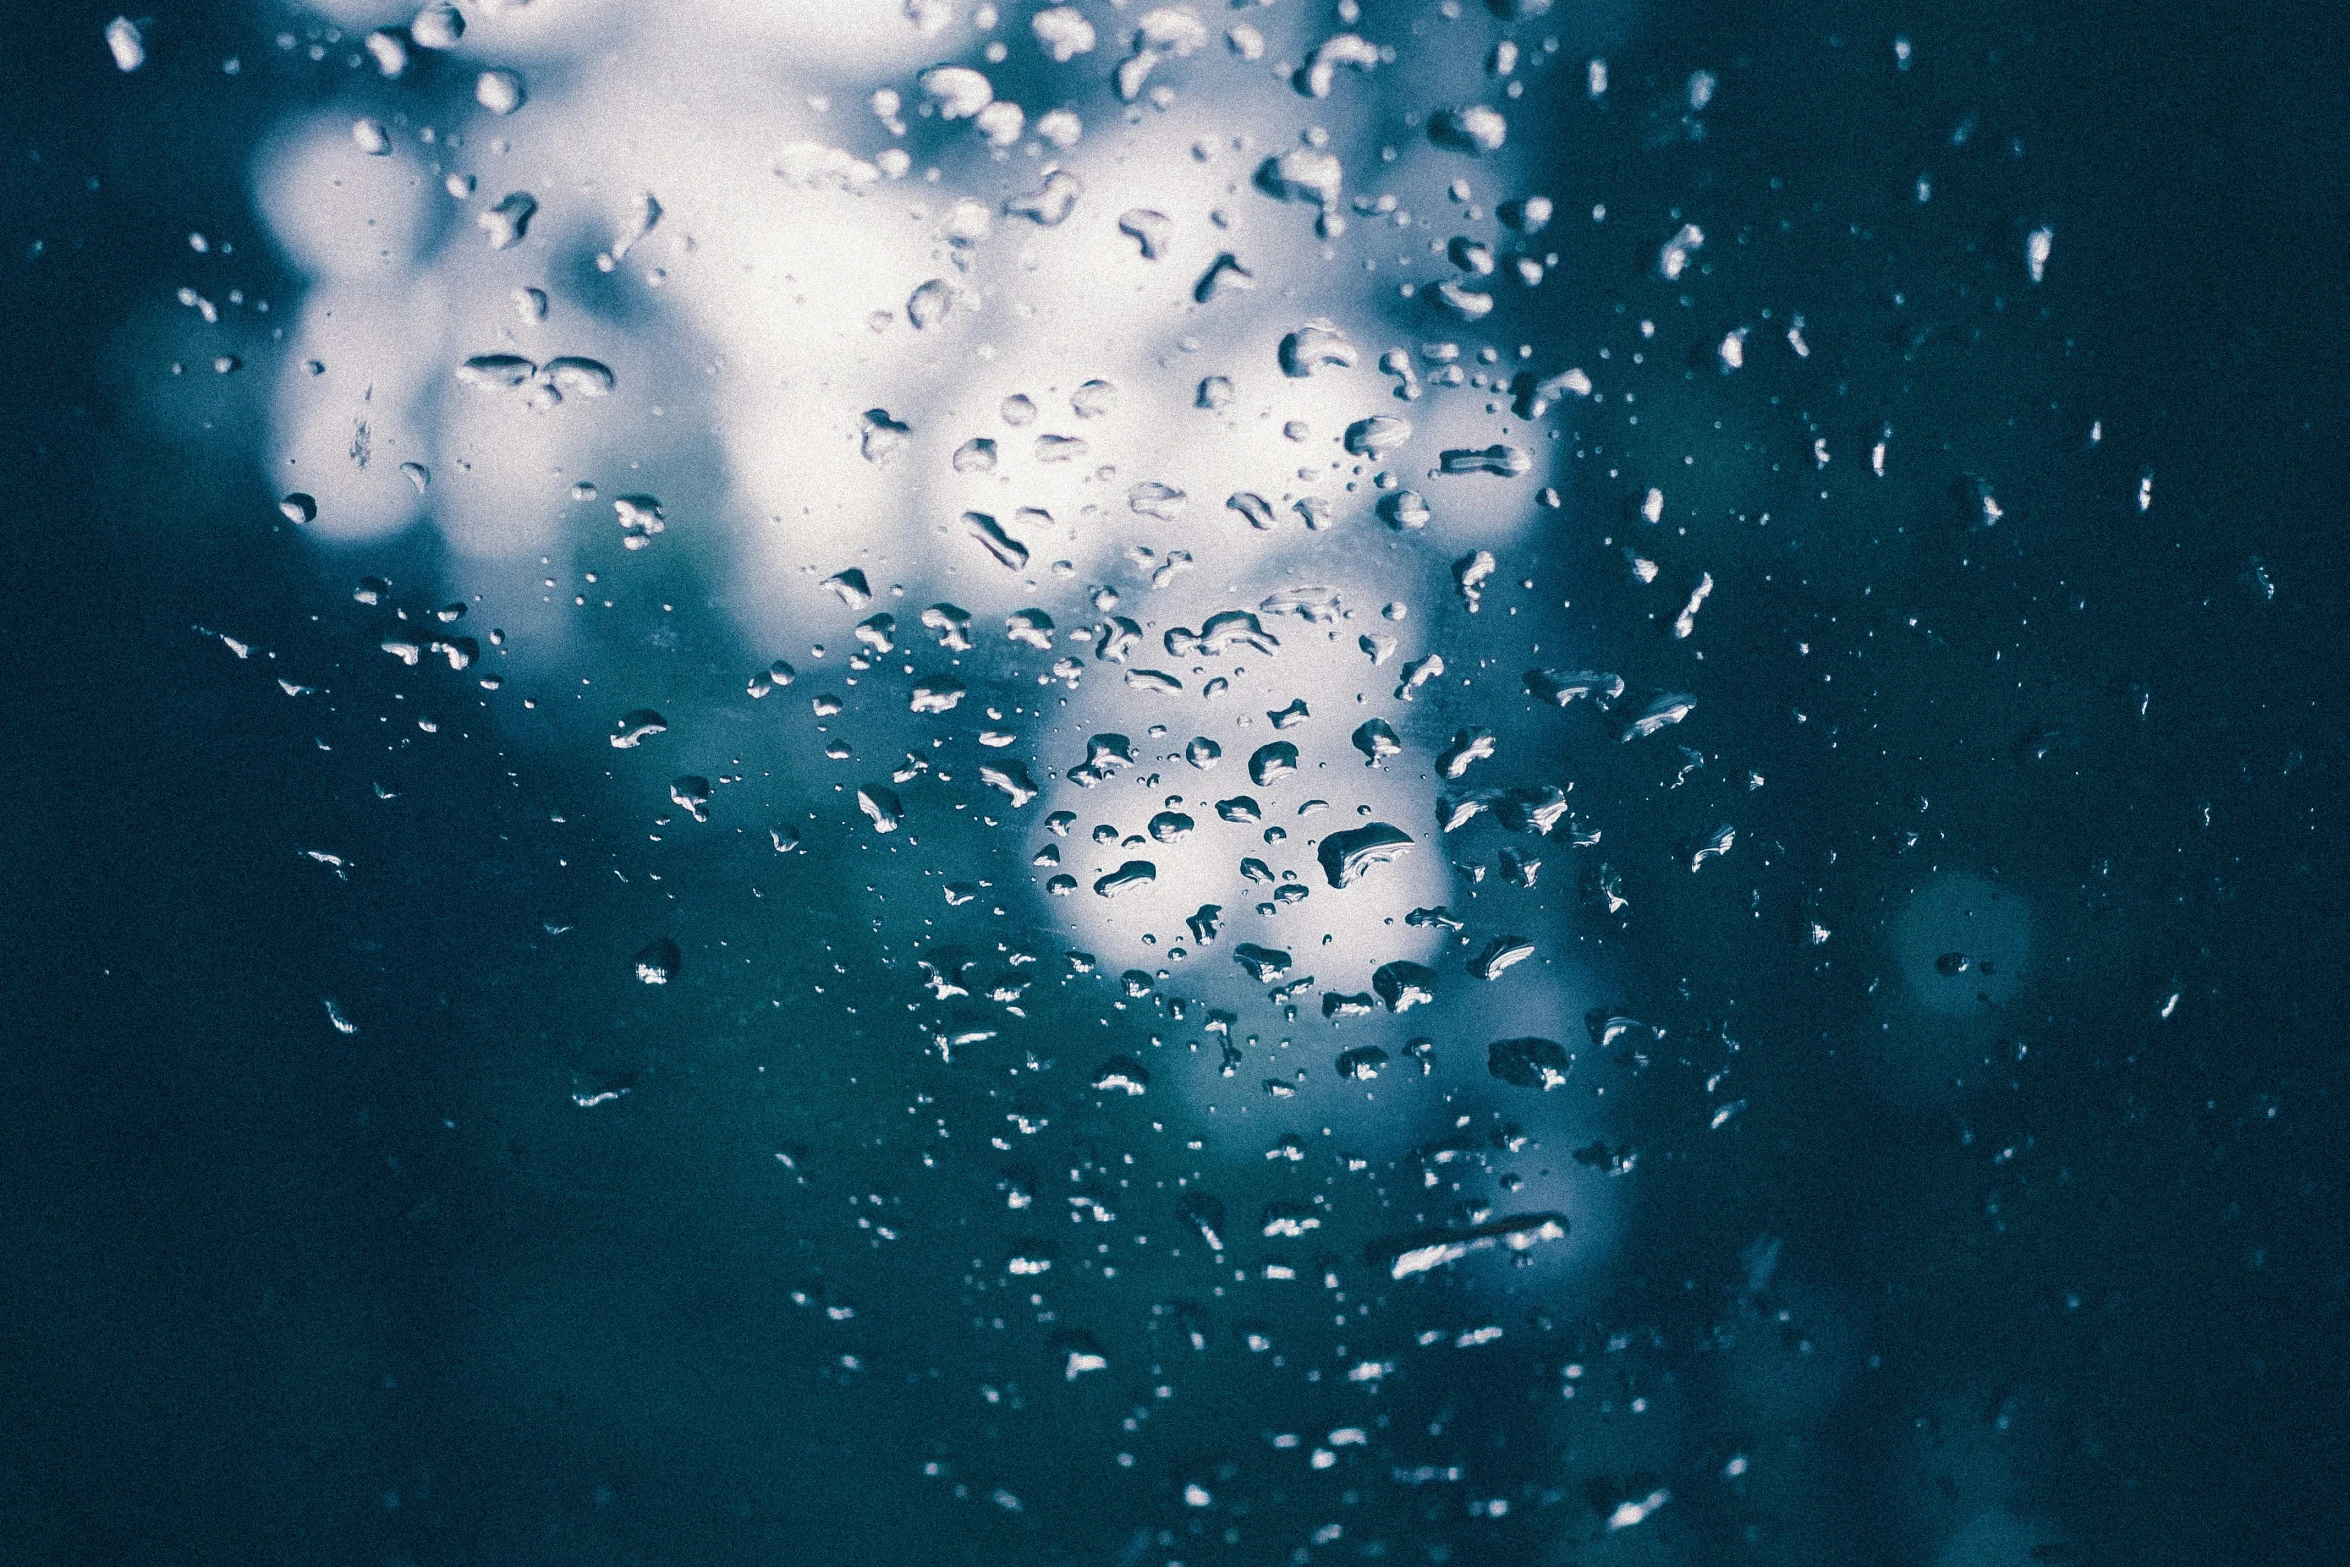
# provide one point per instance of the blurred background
(604, 599)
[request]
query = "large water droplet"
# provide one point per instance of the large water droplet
(508, 223)
(1050, 203)
(1152, 231)
(957, 91)
(438, 26)
(500, 92)
(1378, 435)
(928, 305)
(881, 807)
(879, 437)
(633, 728)
(1272, 761)
(1008, 551)
(1127, 877)
(1346, 856)
(936, 694)
(658, 962)
(1303, 174)
(1317, 345)
(850, 587)
(1529, 1062)
(1473, 129)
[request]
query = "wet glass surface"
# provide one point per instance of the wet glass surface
(1423, 782)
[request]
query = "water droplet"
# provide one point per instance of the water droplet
(1669, 708)
(1154, 499)
(1132, 874)
(1467, 303)
(508, 223)
(1500, 954)
(1320, 72)
(1310, 602)
(1713, 845)
(1050, 203)
(1000, 123)
(929, 304)
(1119, 1074)
(1685, 623)
(1549, 685)
(958, 91)
(1008, 551)
(1404, 985)
(1093, 399)
(500, 92)
(691, 795)
(936, 694)
(1530, 1062)
(1274, 760)
(1303, 174)
(881, 807)
(1010, 777)
(1527, 214)
(1404, 510)
(640, 518)
(391, 52)
(1505, 462)
(1152, 231)
(1376, 436)
(1062, 32)
(1317, 345)
(658, 963)
(1346, 856)
(879, 437)
(1470, 574)
(637, 726)
(129, 48)
(950, 624)
(1426, 1250)
(1224, 275)
(1032, 627)
(575, 376)
(1377, 740)
(437, 26)
(1673, 259)
(1204, 1214)
(1265, 965)
(1472, 129)
(1417, 673)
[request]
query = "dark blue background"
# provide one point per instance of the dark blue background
(232, 1245)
